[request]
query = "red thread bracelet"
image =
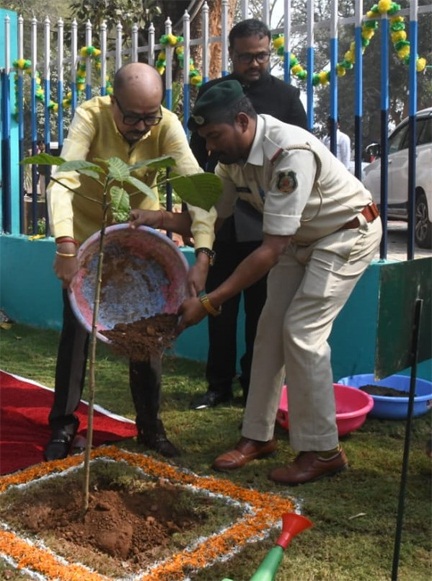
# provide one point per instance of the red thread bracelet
(67, 239)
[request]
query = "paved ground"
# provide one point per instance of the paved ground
(397, 243)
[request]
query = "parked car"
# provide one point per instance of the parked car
(351, 168)
(397, 202)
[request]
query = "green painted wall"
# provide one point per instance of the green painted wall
(31, 294)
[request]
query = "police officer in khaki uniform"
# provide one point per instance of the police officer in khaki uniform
(321, 231)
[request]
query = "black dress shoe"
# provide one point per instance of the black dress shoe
(157, 440)
(211, 399)
(61, 443)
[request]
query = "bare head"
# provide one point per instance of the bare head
(136, 100)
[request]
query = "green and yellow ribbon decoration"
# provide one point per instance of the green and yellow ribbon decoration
(195, 77)
(86, 52)
(398, 37)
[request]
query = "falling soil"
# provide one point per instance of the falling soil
(142, 339)
(382, 390)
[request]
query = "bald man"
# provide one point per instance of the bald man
(132, 125)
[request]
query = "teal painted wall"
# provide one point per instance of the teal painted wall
(31, 294)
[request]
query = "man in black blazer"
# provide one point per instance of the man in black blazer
(250, 51)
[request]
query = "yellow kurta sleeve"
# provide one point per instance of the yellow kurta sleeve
(76, 146)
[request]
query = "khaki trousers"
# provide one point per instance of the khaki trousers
(305, 292)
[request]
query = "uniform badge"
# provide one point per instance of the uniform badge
(286, 181)
(198, 119)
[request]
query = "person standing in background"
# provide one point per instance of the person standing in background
(241, 234)
(343, 143)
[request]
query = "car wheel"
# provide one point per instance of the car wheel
(423, 226)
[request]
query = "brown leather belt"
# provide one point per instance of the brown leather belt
(370, 212)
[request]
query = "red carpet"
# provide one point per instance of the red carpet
(24, 431)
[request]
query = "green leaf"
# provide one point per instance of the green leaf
(201, 189)
(81, 166)
(43, 159)
(120, 204)
(116, 168)
(142, 187)
(157, 163)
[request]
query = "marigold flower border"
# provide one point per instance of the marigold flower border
(265, 512)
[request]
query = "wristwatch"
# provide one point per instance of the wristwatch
(210, 253)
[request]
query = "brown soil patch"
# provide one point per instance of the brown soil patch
(131, 523)
(142, 339)
(382, 390)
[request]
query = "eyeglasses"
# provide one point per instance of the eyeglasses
(246, 58)
(131, 120)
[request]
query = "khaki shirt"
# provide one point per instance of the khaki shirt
(93, 134)
(301, 188)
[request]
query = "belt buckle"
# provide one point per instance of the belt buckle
(374, 210)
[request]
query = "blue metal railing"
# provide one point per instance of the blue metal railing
(29, 208)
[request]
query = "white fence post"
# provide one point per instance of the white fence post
(73, 64)
(186, 59)
(104, 57)
(205, 43)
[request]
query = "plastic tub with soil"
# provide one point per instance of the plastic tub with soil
(390, 395)
(144, 282)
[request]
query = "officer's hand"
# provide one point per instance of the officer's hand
(191, 312)
(150, 218)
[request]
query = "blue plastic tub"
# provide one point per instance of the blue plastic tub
(394, 408)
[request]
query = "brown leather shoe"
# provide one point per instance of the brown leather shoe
(308, 467)
(245, 451)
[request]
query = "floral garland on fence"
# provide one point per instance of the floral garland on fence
(262, 512)
(85, 52)
(398, 37)
(176, 41)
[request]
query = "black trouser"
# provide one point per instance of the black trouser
(222, 354)
(144, 377)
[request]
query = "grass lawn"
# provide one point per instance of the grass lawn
(354, 514)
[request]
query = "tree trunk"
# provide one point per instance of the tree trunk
(175, 9)
(215, 25)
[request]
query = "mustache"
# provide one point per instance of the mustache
(133, 136)
(138, 133)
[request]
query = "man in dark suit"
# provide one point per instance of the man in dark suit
(249, 50)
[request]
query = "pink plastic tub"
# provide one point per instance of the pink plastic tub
(352, 407)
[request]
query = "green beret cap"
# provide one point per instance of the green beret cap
(208, 107)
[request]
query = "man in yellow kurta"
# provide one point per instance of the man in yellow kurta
(133, 126)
